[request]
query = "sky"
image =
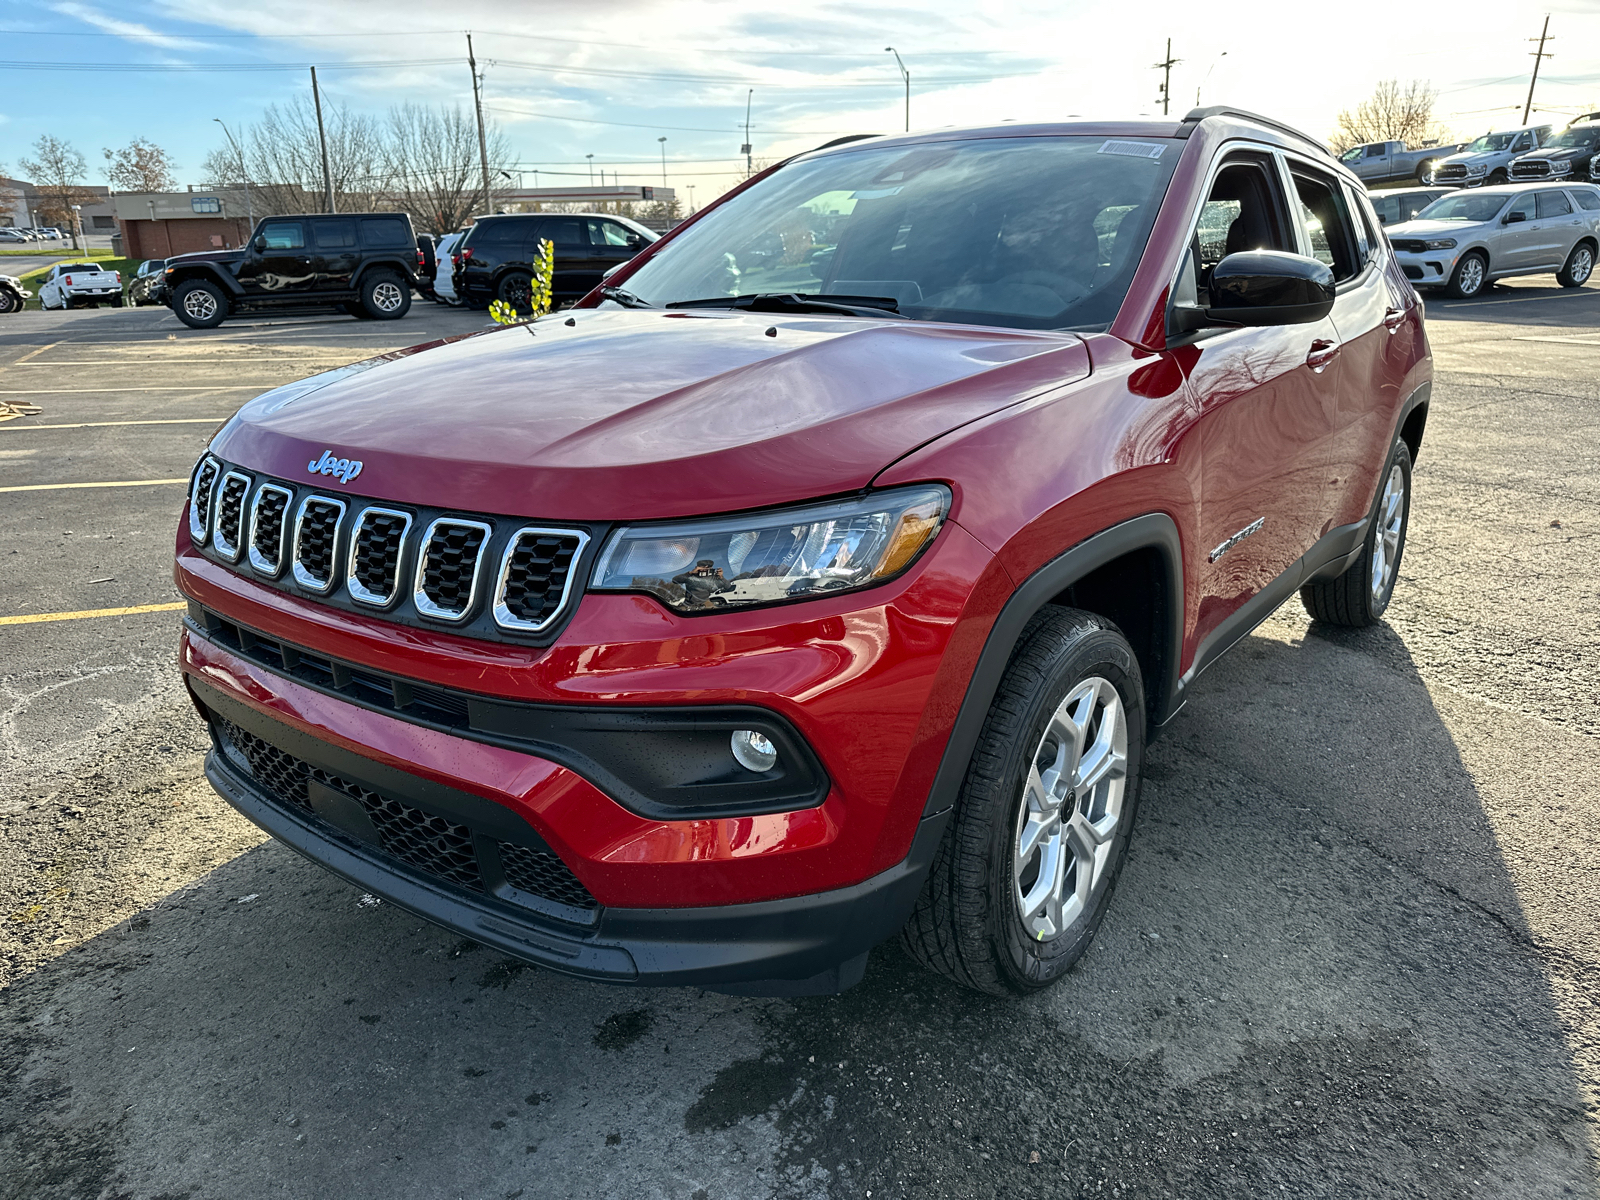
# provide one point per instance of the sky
(571, 78)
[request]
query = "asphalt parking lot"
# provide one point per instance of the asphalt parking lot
(1356, 951)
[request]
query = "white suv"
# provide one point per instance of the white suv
(1464, 241)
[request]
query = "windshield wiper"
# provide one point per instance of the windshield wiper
(625, 298)
(850, 306)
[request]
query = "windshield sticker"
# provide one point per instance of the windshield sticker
(874, 193)
(1132, 149)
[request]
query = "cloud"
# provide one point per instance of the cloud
(127, 29)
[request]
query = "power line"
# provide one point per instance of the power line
(635, 125)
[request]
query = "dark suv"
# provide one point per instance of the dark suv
(765, 605)
(364, 263)
(495, 261)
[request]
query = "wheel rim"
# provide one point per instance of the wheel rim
(1070, 809)
(518, 293)
(200, 304)
(1582, 264)
(386, 296)
(1471, 275)
(1391, 522)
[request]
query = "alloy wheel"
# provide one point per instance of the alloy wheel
(200, 304)
(1070, 808)
(386, 296)
(1471, 276)
(1582, 264)
(1391, 521)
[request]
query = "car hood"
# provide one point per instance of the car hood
(626, 415)
(211, 256)
(1429, 229)
(1562, 153)
(1481, 157)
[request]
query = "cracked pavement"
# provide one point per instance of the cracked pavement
(1355, 952)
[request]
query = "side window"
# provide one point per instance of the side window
(501, 233)
(1387, 208)
(1243, 212)
(1525, 142)
(284, 235)
(564, 232)
(1587, 198)
(1524, 205)
(1553, 204)
(1376, 150)
(607, 233)
(1361, 226)
(385, 231)
(1327, 225)
(334, 235)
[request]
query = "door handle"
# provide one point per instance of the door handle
(1323, 351)
(1393, 319)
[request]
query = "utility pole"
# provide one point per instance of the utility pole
(483, 144)
(749, 170)
(1165, 66)
(907, 75)
(663, 140)
(322, 136)
(1538, 56)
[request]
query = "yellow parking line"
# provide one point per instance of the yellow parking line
(210, 387)
(108, 424)
(61, 487)
(39, 618)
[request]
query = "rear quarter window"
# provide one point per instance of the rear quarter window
(386, 232)
(1587, 198)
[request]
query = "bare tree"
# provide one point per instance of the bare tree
(284, 159)
(1391, 114)
(431, 165)
(140, 166)
(58, 170)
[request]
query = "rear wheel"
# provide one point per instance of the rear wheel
(1469, 276)
(1026, 868)
(1362, 594)
(1579, 266)
(516, 289)
(199, 304)
(358, 310)
(385, 296)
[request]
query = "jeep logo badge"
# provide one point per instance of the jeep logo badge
(342, 469)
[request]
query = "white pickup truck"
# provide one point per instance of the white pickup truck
(70, 285)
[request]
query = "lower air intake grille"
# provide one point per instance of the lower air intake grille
(534, 582)
(447, 574)
(543, 874)
(425, 841)
(269, 509)
(316, 539)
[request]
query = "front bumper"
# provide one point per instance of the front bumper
(801, 945)
(1428, 268)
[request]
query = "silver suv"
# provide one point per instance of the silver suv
(1463, 241)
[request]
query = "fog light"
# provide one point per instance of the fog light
(754, 751)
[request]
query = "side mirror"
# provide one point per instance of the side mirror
(259, 245)
(1263, 287)
(636, 241)
(1511, 218)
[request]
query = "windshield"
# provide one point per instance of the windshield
(1026, 232)
(1355, 155)
(1459, 207)
(1490, 141)
(1567, 138)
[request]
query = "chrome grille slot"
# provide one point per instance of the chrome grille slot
(536, 575)
(205, 484)
(316, 542)
(448, 564)
(269, 513)
(377, 541)
(228, 533)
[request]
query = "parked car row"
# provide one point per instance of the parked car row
(1529, 152)
(25, 233)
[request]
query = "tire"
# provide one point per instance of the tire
(1496, 178)
(1467, 281)
(358, 310)
(516, 289)
(68, 304)
(199, 304)
(1072, 680)
(385, 296)
(1361, 595)
(10, 302)
(1579, 266)
(1425, 169)
(118, 302)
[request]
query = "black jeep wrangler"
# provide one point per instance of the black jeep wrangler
(364, 263)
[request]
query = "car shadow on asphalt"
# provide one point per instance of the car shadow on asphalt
(1316, 980)
(1523, 302)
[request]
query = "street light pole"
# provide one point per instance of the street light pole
(590, 157)
(749, 169)
(907, 75)
(244, 173)
(1207, 79)
(663, 140)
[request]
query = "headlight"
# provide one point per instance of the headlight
(1477, 169)
(1561, 167)
(722, 563)
(1440, 244)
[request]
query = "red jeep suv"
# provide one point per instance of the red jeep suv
(824, 577)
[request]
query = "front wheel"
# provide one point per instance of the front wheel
(1425, 170)
(1025, 872)
(1579, 266)
(10, 302)
(1471, 273)
(1361, 595)
(385, 297)
(1496, 178)
(200, 304)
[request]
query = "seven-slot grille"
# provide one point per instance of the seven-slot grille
(376, 543)
(205, 482)
(447, 568)
(316, 540)
(1533, 168)
(363, 555)
(535, 576)
(1409, 245)
(1451, 171)
(228, 532)
(268, 520)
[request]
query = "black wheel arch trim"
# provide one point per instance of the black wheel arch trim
(1152, 531)
(210, 274)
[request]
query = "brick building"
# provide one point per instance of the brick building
(161, 224)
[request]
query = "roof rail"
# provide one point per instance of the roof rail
(849, 137)
(1196, 115)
